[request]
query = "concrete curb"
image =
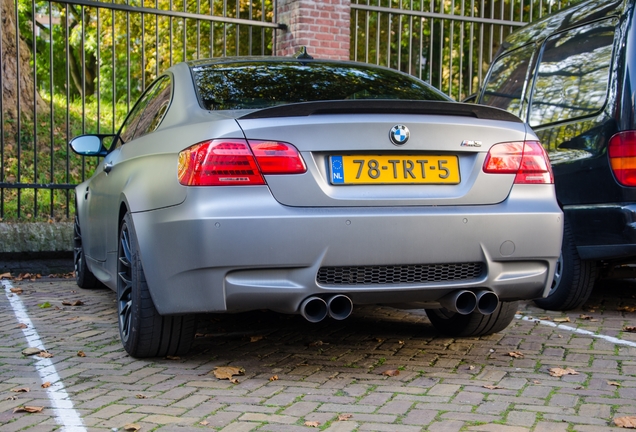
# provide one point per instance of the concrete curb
(36, 237)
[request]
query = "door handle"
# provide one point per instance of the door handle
(108, 167)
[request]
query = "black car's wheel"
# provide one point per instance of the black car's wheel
(143, 332)
(473, 324)
(83, 276)
(573, 279)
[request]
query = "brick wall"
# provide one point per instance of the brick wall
(323, 26)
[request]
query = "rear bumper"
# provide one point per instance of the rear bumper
(605, 231)
(226, 249)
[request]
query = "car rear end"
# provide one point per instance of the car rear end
(357, 201)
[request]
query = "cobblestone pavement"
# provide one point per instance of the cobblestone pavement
(330, 375)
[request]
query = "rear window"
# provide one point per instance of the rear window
(573, 74)
(505, 86)
(259, 84)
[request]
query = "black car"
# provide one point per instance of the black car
(572, 77)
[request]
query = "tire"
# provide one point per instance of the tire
(83, 276)
(573, 278)
(143, 332)
(475, 323)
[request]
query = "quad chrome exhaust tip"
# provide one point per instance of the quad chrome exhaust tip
(464, 302)
(314, 309)
(339, 307)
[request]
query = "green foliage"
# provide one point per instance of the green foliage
(40, 154)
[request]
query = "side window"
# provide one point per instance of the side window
(573, 74)
(148, 112)
(156, 107)
(505, 86)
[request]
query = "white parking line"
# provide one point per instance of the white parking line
(65, 414)
(610, 339)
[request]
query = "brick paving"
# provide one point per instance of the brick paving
(329, 375)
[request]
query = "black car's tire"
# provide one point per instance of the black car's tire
(83, 276)
(573, 279)
(143, 332)
(473, 324)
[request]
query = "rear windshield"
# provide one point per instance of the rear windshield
(261, 84)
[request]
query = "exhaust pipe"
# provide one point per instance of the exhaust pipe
(487, 302)
(339, 307)
(461, 301)
(313, 309)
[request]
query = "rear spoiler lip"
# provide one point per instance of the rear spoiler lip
(383, 106)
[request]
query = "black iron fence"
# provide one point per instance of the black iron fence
(448, 43)
(75, 66)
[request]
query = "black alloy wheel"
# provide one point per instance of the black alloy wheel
(573, 280)
(83, 276)
(143, 332)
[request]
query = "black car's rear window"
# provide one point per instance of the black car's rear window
(261, 84)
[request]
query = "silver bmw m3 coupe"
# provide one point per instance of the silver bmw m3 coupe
(308, 187)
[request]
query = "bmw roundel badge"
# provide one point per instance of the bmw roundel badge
(399, 134)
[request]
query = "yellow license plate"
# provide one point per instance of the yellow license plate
(393, 169)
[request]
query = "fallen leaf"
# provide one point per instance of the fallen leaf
(28, 276)
(31, 351)
(585, 317)
(626, 309)
(21, 390)
(141, 396)
(256, 338)
(559, 372)
(227, 372)
(593, 320)
(630, 329)
(75, 303)
(379, 340)
(561, 320)
(44, 305)
(169, 357)
(614, 383)
(516, 354)
(578, 388)
(45, 354)
(17, 291)
(46, 384)
(492, 387)
(312, 423)
(545, 318)
(536, 382)
(22, 326)
(471, 367)
(273, 378)
(81, 354)
(12, 398)
(132, 427)
(401, 342)
(317, 343)
(391, 372)
(6, 276)
(204, 423)
(29, 409)
(344, 417)
(626, 422)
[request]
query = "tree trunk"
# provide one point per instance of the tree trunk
(18, 93)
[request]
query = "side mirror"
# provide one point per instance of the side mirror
(89, 145)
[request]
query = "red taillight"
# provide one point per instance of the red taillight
(622, 156)
(527, 159)
(277, 157)
(229, 162)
